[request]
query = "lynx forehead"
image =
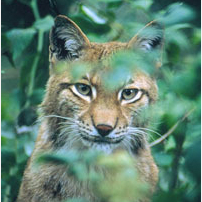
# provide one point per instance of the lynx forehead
(84, 114)
(100, 118)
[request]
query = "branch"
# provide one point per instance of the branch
(170, 131)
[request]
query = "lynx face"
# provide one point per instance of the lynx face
(83, 113)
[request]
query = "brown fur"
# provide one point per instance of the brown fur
(51, 183)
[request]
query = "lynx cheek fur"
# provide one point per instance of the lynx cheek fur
(94, 117)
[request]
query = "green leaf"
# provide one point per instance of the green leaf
(5, 43)
(8, 132)
(193, 159)
(44, 24)
(26, 2)
(90, 157)
(8, 159)
(8, 104)
(93, 15)
(145, 4)
(61, 158)
(109, 1)
(79, 170)
(181, 26)
(170, 143)
(163, 159)
(196, 36)
(77, 200)
(177, 37)
(37, 96)
(20, 39)
(176, 13)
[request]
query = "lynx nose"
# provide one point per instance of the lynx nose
(103, 129)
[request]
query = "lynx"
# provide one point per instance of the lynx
(94, 117)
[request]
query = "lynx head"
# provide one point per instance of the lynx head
(83, 113)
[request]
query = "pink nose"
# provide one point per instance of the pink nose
(103, 129)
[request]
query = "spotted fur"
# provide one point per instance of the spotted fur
(72, 121)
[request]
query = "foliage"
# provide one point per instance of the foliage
(25, 50)
(122, 178)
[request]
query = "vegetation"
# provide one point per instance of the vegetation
(176, 116)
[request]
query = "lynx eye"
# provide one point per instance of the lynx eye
(129, 94)
(83, 89)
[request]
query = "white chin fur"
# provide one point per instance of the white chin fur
(103, 147)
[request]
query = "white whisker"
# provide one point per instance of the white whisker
(150, 130)
(56, 116)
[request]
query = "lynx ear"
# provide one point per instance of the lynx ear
(66, 39)
(148, 38)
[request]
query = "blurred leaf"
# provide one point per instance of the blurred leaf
(123, 64)
(88, 25)
(108, 1)
(177, 38)
(27, 117)
(193, 160)
(112, 4)
(14, 182)
(26, 2)
(92, 15)
(28, 148)
(90, 157)
(145, 4)
(78, 70)
(176, 13)
(197, 37)
(20, 39)
(180, 26)
(3, 189)
(123, 183)
(44, 24)
(8, 104)
(79, 170)
(173, 52)
(8, 133)
(8, 159)
(62, 158)
(37, 96)
(163, 159)
(6, 48)
(167, 196)
(170, 144)
(77, 200)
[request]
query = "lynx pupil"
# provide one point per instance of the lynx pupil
(83, 89)
(128, 94)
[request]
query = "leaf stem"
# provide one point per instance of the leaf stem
(170, 131)
(35, 9)
(37, 57)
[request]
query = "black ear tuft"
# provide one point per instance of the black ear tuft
(66, 39)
